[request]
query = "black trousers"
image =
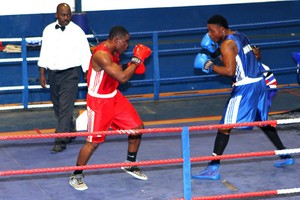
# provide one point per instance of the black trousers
(63, 91)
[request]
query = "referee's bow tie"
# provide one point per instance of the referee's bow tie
(62, 28)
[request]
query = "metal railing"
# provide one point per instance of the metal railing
(156, 81)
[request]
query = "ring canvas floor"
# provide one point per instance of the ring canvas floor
(165, 181)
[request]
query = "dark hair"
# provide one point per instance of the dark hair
(218, 20)
(117, 31)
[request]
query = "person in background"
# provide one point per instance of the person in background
(64, 53)
(248, 100)
(268, 75)
(107, 107)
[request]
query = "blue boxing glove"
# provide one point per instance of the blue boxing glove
(209, 44)
(203, 62)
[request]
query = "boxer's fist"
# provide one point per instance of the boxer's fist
(139, 70)
(203, 62)
(140, 53)
(208, 44)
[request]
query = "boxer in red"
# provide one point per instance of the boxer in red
(106, 105)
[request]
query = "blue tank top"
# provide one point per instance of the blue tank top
(246, 63)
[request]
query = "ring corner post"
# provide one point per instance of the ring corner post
(24, 73)
(186, 163)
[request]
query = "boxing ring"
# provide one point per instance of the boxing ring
(185, 160)
(168, 155)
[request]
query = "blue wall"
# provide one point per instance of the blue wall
(171, 64)
(157, 19)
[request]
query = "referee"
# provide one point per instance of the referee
(64, 53)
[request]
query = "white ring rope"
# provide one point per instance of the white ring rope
(7, 60)
(287, 151)
(288, 191)
(36, 106)
(288, 121)
(10, 39)
(32, 87)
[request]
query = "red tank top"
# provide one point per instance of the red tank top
(100, 84)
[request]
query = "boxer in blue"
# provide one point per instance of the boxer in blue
(248, 100)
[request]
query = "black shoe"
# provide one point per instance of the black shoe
(70, 140)
(57, 148)
(73, 138)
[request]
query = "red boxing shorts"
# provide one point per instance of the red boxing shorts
(116, 113)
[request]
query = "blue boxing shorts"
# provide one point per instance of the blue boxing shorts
(248, 103)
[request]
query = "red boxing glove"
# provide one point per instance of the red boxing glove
(140, 53)
(140, 69)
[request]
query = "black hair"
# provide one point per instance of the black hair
(218, 20)
(117, 31)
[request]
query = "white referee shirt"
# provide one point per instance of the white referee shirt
(62, 50)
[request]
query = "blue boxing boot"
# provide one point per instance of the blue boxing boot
(285, 160)
(210, 173)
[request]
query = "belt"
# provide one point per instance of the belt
(64, 70)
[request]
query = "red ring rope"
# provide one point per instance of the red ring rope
(144, 163)
(141, 131)
(160, 162)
